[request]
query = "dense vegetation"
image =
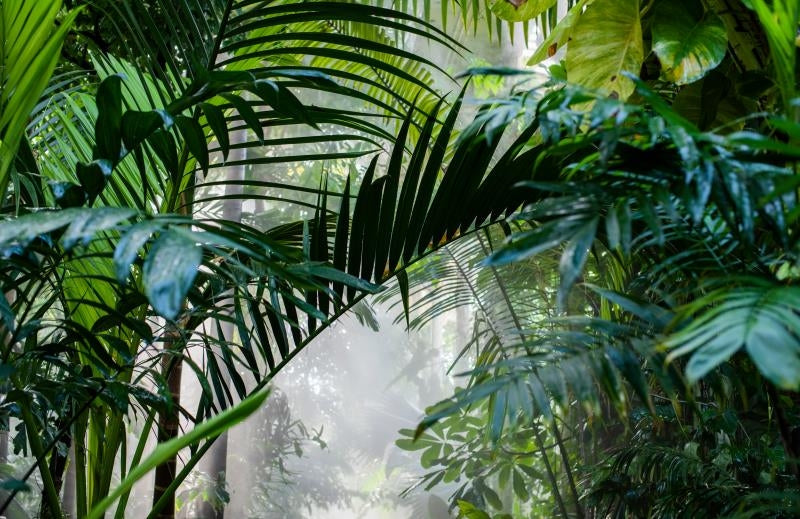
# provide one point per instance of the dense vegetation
(200, 188)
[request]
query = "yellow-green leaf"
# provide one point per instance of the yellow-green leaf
(560, 35)
(606, 41)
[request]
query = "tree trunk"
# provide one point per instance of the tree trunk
(68, 498)
(168, 422)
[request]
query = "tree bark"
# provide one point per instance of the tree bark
(168, 422)
(68, 497)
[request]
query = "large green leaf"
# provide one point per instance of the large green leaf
(605, 42)
(520, 11)
(688, 42)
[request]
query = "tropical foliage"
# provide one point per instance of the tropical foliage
(200, 188)
(669, 352)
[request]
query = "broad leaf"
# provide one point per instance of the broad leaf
(560, 35)
(606, 41)
(688, 42)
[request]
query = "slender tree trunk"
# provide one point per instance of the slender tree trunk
(216, 462)
(168, 422)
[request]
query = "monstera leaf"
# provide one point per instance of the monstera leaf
(520, 10)
(605, 42)
(688, 42)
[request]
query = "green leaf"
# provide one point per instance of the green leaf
(20, 231)
(605, 42)
(331, 274)
(489, 494)
(779, 20)
(128, 247)
(408, 444)
(216, 121)
(163, 145)
(574, 257)
(759, 316)
(32, 35)
(195, 140)
(531, 472)
(386, 221)
(644, 310)
(341, 241)
(93, 176)
(402, 282)
(67, 194)
(430, 456)
(540, 239)
(169, 271)
(688, 41)
(137, 126)
(520, 489)
(631, 368)
(471, 511)
(247, 114)
(560, 35)
(109, 119)
(90, 222)
(520, 10)
(282, 100)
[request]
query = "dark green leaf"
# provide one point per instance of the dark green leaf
(108, 126)
(195, 140)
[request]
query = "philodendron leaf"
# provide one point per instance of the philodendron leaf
(560, 35)
(169, 271)
(520, 10)
(760, 317)
(605, 42)
(688, 42)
